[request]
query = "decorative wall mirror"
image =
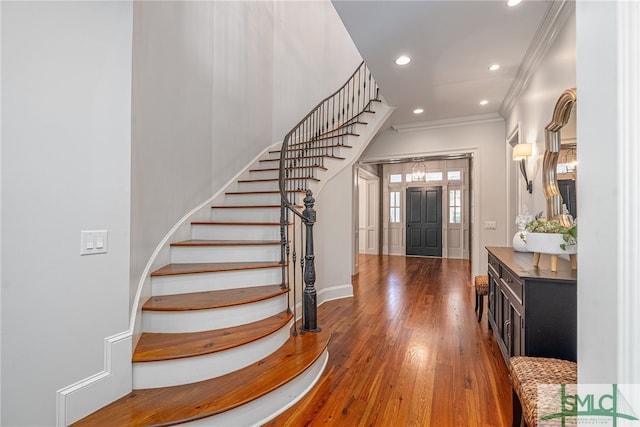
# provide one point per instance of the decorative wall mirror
(562, 113)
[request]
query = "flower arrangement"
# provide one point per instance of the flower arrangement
(541, 225)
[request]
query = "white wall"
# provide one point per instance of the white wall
(172, 126)
(243, 50)
(0, 224)
(313, 56)
(333, 235)
(66, 80)
(486, 142)
(598, 281)
(534, 108)
(272, 63)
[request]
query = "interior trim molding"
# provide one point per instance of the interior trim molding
(335, 292)
(628, 192)
(544, 37)
(513, 183)
(458, 121)
(90, 394)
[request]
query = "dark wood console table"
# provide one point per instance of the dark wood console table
(532, 310)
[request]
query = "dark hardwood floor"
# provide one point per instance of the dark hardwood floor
(407, 350)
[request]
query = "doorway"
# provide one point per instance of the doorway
(368, 212)
(424, 221)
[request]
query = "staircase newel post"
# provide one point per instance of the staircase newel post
(310, 319)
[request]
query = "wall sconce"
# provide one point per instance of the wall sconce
(521, 152)
(418, 172)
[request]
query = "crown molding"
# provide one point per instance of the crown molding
(544, 37)
(458, 121)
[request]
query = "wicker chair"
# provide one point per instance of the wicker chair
(527, 373)
(482, 289)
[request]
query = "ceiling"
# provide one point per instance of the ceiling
(452, 44)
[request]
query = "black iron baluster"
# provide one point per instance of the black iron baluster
(360, 98)
(288, 254)
(295, 302)
(353, 98)
(283, 243)
(333, 112)
(302, 306)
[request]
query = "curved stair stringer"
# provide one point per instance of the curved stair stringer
(83, 397)
(261, 410)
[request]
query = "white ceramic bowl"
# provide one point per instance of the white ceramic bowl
(549, 243)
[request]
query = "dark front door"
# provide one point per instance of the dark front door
(424, 221)
(567, 189)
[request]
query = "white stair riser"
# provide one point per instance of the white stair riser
(327, 162)
(265, 408)
(310, 152)
(258, 186)
(265, 174)
(258, 199)
(215, 318)
(269, 162)
(235, 232)
(201, 282)
(307, 171)
(245, 215)
(192, 369)
(193, 254)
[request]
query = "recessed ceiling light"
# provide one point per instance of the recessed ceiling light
(484, 102)
(494, 67)
(403, 60)
(511, 3)
(418, 111)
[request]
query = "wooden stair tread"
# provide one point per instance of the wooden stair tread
(249, 181)
(292, 167)
(324, 137)
(193, 243)
(351, 122)
(263, 192)
(311, 148)
(249, 206)
(189, 402)
(233, 223)
(325, 156)
(265, 170)
(153, 347)
(212, 299)
(210, 267)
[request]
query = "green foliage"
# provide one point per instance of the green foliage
(569, 234)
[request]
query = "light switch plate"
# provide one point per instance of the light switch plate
(93, 242)
(490, 225)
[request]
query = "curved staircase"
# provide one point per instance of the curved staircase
(217, 347)
(217, 328)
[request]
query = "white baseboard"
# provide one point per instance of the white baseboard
(84, 397)
(335, 292)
